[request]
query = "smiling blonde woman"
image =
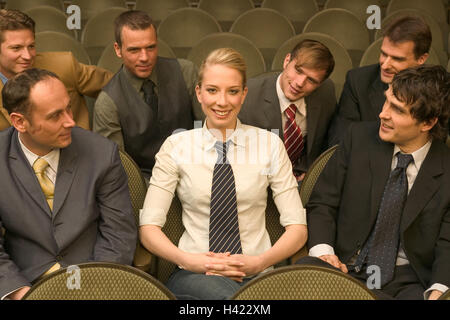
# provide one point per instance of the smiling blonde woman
(221, 173)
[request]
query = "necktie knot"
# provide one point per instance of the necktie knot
(46, 184)
(148, 86)
(40, 165)
(221, 148)
(404, 160)
(290, 111)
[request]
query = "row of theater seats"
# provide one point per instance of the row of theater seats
(266, 28)
(226, 11)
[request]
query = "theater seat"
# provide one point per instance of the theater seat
(303, 282)
(184, 27)
(99, 281)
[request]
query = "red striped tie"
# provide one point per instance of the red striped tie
(293, 139)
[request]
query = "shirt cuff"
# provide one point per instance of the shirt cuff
(4, 297)
(320, 250)
(436, 286)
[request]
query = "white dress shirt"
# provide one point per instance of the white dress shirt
(185, 164)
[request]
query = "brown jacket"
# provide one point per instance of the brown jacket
(79, 79)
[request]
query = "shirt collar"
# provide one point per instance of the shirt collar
(52, 157)
(209, 140)
(3, 78)
(137, 82)
(418, 155)
(285, 102)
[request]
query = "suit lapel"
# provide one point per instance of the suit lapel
(376, 96)
(425, 186)
(312, 119)
(271, 106)
(24, 173)
(380, 155)
(68, 163)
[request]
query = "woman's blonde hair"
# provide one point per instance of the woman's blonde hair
(226, 57)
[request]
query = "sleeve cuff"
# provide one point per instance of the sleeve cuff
(436, 286)
(320, 250)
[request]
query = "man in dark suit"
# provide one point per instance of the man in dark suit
(381, 207)
(149, 97)
(65, 197)
(302, 91)
(406, 43)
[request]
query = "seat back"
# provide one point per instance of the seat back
(99, 281)
(297, 11)
(343, 26)
(184, 27)
(445, 296)
(110, 61)
(173, 229)
(357, 7)
(160, 9)
(342, 59)
(50, 19)
(99, 32)
(138, 190)
(313, 174)
(23, 5)
(302, 282)
(91, 8)
(226, 11)
(434, 8)
(372, 54)
(56, 41)
(252, 56)
(266, 28)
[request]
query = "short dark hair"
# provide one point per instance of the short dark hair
(426, 89)
(314, 55)
(133, 19)
(410, 28)
(12, 20)
(16, 93)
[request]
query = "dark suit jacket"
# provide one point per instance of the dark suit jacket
(343, 206)
(92, 217)
(362, 99)
(262, 109)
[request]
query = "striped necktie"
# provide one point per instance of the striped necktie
(224, 233)
(293, 139)
(47, 186)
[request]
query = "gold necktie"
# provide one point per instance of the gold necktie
(47, 186)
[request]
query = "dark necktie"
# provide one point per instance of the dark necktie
(293, 139)
(382, 247)
(224, 233)
(150, 96)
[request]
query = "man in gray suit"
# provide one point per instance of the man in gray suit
(64, 197)
(302, 92)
